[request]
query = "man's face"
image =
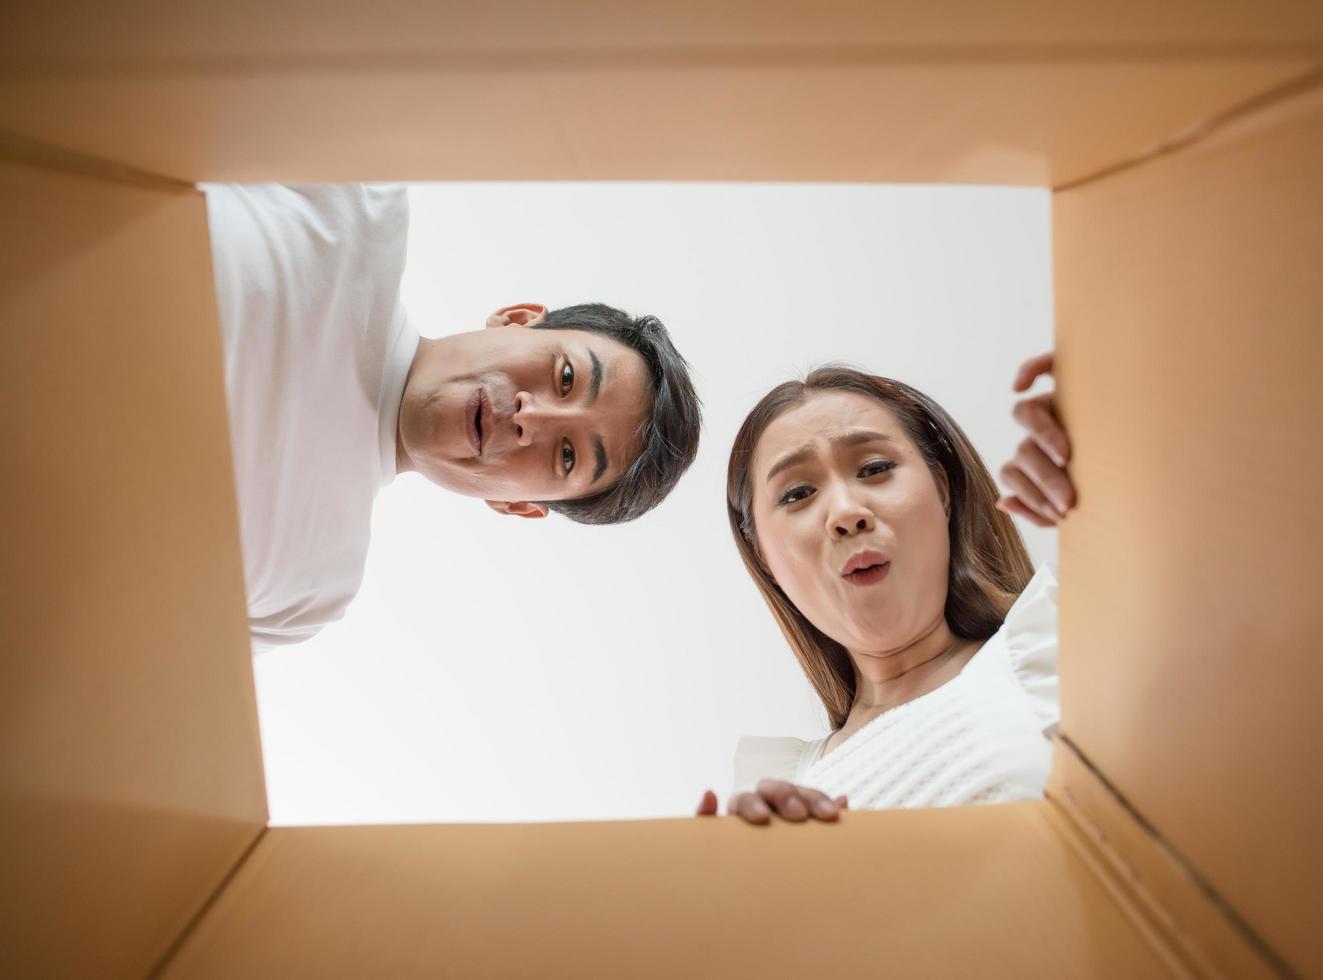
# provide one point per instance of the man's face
(514, 414)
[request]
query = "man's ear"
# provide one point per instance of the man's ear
(518, 508)
(519, 315)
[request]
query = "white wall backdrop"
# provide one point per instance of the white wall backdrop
(497, 669)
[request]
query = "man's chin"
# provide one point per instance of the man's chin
(444, 475)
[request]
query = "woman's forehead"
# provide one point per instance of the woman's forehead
(820, 416)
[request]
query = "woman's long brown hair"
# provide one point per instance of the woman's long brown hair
(989, 565)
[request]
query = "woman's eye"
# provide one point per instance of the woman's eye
(794, 495)
(566, 378)
(875, 467)
(567, 458)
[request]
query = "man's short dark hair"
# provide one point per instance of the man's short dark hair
(669, 435)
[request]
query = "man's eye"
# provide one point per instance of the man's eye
(875, 467)
(566, 378)
(567, 458)
(794, 495)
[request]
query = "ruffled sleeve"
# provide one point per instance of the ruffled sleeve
(766, 757)
(1030, 630)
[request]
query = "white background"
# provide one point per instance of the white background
(502, 669)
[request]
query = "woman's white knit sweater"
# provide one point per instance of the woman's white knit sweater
(979, 738)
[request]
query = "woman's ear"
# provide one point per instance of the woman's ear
(943, 488)
(751, 536)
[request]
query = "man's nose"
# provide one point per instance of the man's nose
(534, 416)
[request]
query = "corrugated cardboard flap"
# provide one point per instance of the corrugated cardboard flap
(1028, 92)
(1188, 297)
(130, 773)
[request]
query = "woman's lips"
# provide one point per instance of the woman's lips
(870, 575)
(866, 567)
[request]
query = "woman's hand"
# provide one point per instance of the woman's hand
(1040, 488)
(786, 800)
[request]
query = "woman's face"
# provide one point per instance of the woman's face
(851, 522)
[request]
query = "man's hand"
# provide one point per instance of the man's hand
(1039, 487)
(786, 800)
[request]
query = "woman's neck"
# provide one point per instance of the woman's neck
(885, 679)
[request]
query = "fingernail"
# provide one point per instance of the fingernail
(825, 808)
(795, 809)
(759, 809)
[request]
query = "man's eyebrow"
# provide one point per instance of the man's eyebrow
(595, 382)
(855, 438)
(599, 451)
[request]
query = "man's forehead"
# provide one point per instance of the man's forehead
(622, 408)
(624, 376)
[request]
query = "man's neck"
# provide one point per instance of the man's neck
(426, 347)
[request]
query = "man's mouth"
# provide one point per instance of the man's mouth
(866, 568)
(478, 415)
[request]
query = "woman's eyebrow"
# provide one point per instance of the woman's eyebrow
(789, 460)
(859, 436)
(854, 438)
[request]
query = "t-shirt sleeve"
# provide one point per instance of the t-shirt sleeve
(1031, 643)
(761, 757)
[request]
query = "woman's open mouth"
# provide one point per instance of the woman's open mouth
(866, 568)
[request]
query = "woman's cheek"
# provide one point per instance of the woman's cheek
(797, 575)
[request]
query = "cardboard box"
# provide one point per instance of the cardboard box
(1185, 144)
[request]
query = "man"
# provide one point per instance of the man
(584, 410)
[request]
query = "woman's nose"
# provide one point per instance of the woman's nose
(848, 517)
(847, 528)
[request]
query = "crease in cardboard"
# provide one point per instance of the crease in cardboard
(1204, 129)
(35, 153)
(208, 903)
(580, 58)
(1091, 857)
(1165, 895)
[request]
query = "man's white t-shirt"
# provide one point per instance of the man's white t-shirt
(317, 348)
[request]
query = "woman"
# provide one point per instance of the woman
(876, 536)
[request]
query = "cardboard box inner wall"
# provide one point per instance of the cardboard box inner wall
(1188, 320)
(930, 892)
(1024, 92)
(1185, 144)
(132, 778)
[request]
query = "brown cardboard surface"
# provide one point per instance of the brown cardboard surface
(130, 771)
(1188, 316)
(982, 891)
(1172, 901)
(1188, 299)
(147, 29)
(1027, 93)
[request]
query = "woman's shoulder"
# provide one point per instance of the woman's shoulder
(1032, 620)
(1026, 644)
(769, 757)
